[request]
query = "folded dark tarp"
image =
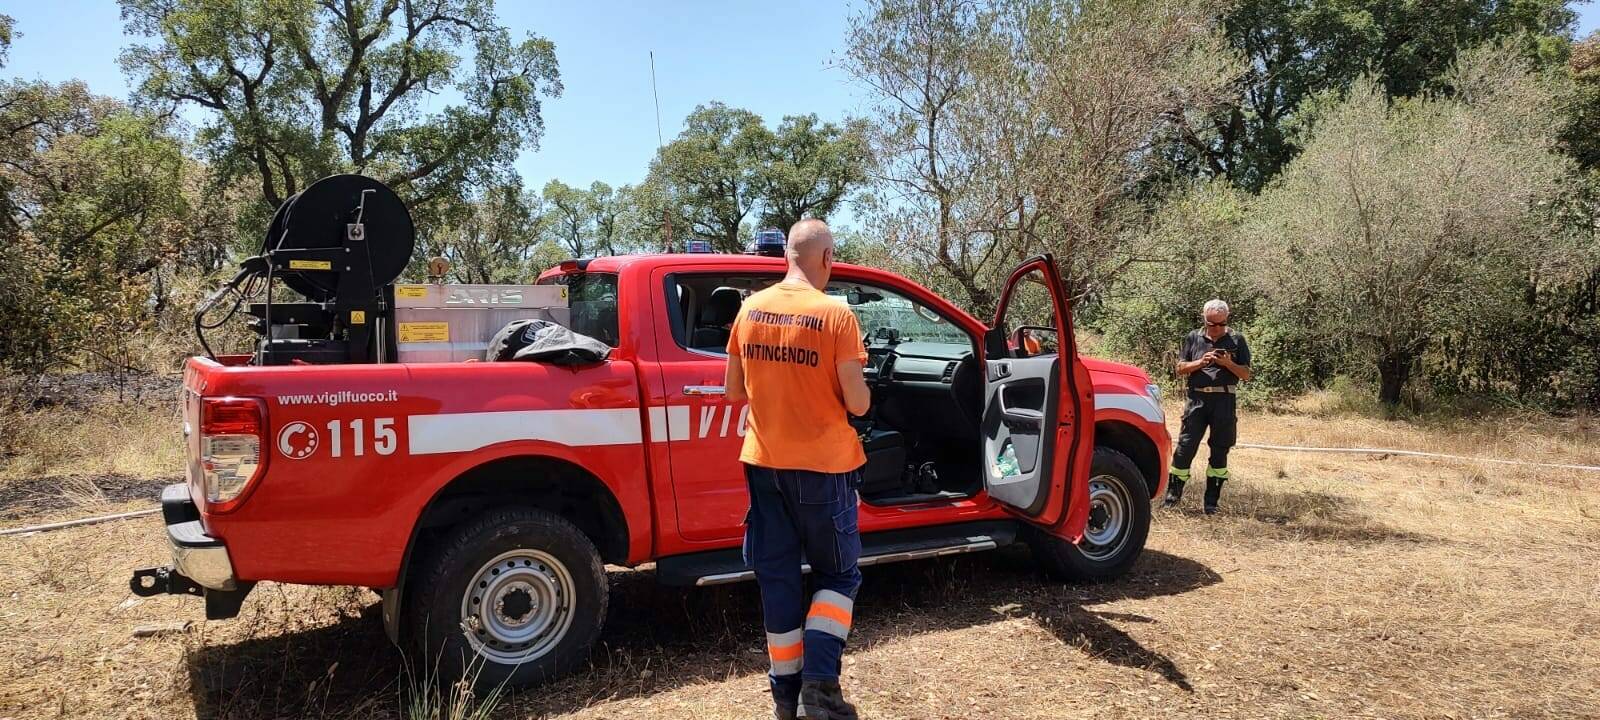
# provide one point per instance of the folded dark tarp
(547, 342)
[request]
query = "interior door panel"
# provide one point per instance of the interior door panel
(1021, 399)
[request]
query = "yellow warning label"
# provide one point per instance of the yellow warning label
(414, 292)
(310, 265)
(358, 317)
(425, 332)
(563, 292)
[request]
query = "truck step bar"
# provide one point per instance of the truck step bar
(720, 567)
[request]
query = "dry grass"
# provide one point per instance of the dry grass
(1330, 587)
(141, 438)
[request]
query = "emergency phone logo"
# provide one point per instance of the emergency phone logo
(297, 440)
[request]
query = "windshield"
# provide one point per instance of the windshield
(880, 309)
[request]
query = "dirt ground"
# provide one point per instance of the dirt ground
(1330, 587)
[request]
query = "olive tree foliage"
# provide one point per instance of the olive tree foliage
(294, 90)
(1011, 128)
(1403, 221)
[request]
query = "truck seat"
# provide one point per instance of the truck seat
(711, 330)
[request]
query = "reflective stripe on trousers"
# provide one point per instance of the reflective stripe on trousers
(797, 517)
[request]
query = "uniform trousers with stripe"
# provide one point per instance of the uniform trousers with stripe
(1216, 412)
(800, 516)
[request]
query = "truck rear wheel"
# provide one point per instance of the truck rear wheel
(1119, 523)
(513, 598)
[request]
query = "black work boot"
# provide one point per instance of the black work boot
(1213, 493)
(1174, 491)
(823, 700)
(780, 712)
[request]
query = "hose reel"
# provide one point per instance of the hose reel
(340, 244)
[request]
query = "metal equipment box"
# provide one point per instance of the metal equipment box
(455, 322)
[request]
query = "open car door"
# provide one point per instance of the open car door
(1038, 430)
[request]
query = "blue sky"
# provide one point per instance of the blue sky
(772, 58)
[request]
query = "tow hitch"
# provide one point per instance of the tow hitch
(220, 604)
(150, 582)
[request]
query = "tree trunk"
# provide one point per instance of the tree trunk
(1394, 369)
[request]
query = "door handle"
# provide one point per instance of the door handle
(1002, 370)
(704, 390)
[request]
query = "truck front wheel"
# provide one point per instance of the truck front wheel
(509, 599)
(1119, 522)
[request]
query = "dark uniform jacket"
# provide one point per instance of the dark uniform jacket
(1196, 345)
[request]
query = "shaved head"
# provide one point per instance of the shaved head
(810, 251)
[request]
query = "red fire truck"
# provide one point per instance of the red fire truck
(483, 499)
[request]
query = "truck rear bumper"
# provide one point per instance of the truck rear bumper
(200, 563)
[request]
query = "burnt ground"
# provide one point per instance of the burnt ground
(31, 498)
(89, 389)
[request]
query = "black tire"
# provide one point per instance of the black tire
(543, 570)
(1109, 472)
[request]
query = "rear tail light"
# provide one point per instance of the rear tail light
(232, 438)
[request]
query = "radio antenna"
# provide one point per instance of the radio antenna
(666, 213)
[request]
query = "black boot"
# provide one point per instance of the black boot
(823, 700)
(1213, 493)
(780, 712)
(1174, 491)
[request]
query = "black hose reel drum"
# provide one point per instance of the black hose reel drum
(322, 217)
(340, 244)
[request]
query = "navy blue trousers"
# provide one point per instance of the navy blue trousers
(799, 516)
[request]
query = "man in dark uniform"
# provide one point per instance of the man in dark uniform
(1213, 360)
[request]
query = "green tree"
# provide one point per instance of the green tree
(1402, 222)
(297, 89)
(712, 171)
(94, 205)
(568, 220)
(1581, 136)
(1018, 127)
(606, 208)
(490, 239)
(648, 214)
(811, 167)
(917, 58)
(7, 32)
(1298, 48)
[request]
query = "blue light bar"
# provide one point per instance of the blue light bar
(769, 242)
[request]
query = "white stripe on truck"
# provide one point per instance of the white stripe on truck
(669, 422)
(464, 432)
(1142, 405)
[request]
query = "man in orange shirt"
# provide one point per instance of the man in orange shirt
(796, 355)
